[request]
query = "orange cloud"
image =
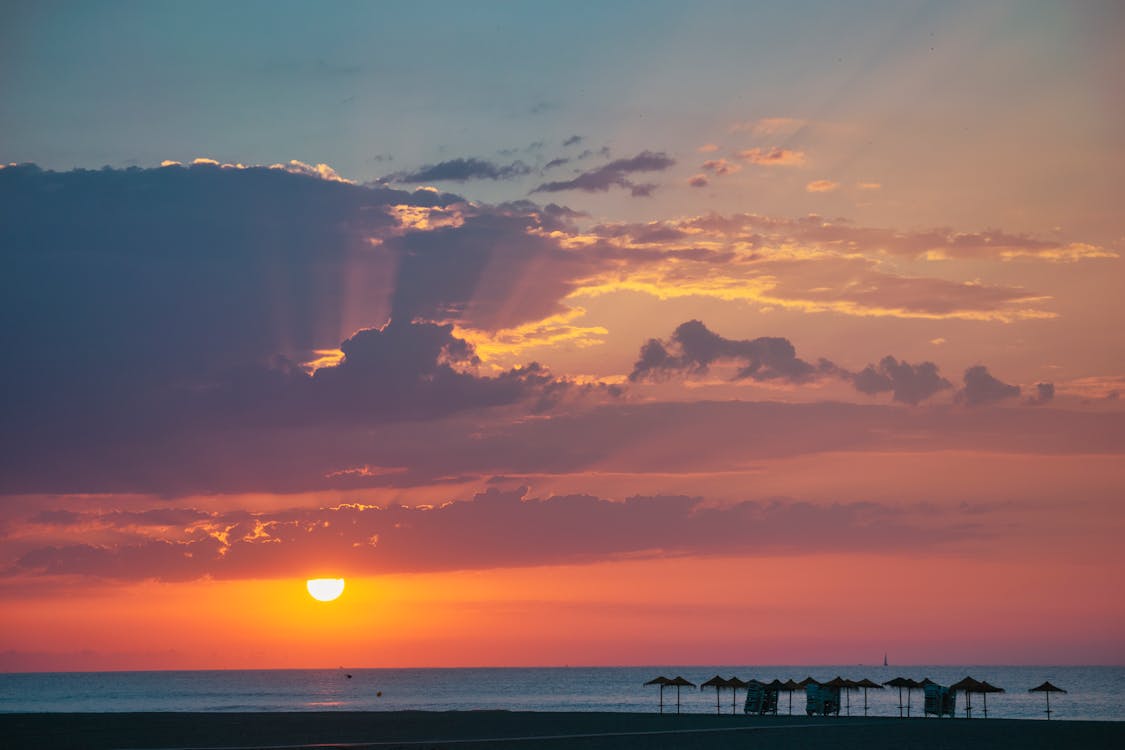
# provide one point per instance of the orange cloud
(699, 180)
(770, 126)
(721, 167)
(773, 157)
(821, 186)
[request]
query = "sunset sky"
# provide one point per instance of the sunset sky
(567, 333)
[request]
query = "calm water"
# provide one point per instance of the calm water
(1094, 692)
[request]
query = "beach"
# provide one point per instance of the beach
(466, 730)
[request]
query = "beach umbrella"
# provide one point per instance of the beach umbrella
(790, 687)
(679, 682)
(735, 684)
(718, 683)
(900, 683)
(847, 686)
(806, 682)
(969, 686)
(1047, 688)
(985, 689)
(663, 682)
(866, 684)
(776, 686)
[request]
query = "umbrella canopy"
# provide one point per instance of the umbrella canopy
(909, 684)
(1047, 688)
(789, 686)
(735, 684)
(847, 686)
(663, 682)
(679, 682)
(867, 684)
(985, 689)
(969, 686)
(806, 682)
(718, 683)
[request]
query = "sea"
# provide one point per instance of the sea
(1093, 693)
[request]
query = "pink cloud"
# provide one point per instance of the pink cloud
(821, 186)
(773, 157)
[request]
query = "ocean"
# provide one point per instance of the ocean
(1094, 693)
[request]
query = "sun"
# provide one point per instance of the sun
(325, 589)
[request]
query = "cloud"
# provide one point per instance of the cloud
(769, 126)
(982, 388)
(693, 348)
(868, 185)
(699, 181)
(573, 140)
(496, 529)
(614, 174)
(720, 167)
(908, 384)
(708, 148)
(773, 157)
(821, 186)
(1044, 394)
(463, 170)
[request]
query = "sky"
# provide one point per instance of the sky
(617, 334)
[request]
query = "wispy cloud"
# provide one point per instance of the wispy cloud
(773, 157)
(614, 174)
(462, 170)
(821, 186)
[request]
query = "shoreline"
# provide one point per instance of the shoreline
(510, 730)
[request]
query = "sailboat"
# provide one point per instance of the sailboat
(884, 658)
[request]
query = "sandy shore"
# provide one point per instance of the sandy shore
(503, 730)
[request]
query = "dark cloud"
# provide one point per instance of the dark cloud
(573, 140)
(462, 170)
(496, 529)
(699, 181)
(693, 348)
(554, 163)
(614, 174)
(139, 299)
(909, 384)
(1044, 393)
(982, 388)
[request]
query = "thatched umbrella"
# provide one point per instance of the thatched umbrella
(900, 683)
(735, 684)
(718, 683)
(847, 686)
(985, 689)
(807, 681)
(679, 682)
(663, 682)
(865, 684)
(789, 687)
(1047, 688)
(969, 686)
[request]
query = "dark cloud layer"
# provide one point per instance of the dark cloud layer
(495, 529)
(614, 174)
(908, 384)
(462, 170)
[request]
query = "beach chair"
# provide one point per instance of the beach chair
(940, 700)
(821, 700)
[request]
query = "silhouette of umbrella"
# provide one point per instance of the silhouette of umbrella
(718, 683)
(807, 681)
(900, 683)
(866, 684)
(663, 682)
(969, 686)
(985, 689)
(735, 684)
(1047, 688)
(679, 682)
(789, 686)
(847, 686)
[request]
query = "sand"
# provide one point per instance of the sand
(503, 730)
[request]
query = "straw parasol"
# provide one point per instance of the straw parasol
(718, 683)
(735, 684)
(968, 686)
(987, 688)
(847, 686)
(1047, 688)
(663, 682)
(900, 683)
(679, 682)
(789, 687)
(866, 684)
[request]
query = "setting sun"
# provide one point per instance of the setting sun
(325, 589)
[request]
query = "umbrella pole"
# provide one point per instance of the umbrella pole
(677, 699)
(1048, 694)
(662, 698)
(790, 701)
(984, 697)
(900, 701)
(716, 700)
(908, 692)
(865, 701)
